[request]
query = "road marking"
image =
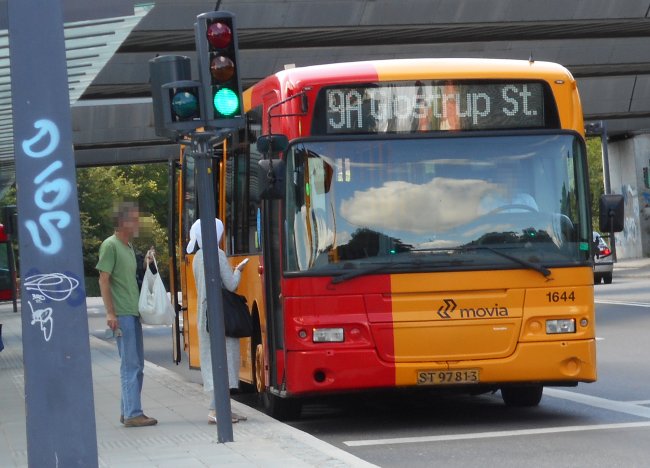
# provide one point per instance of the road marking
(597, 402)
(489, 435)
(627, 303)
(631, 408)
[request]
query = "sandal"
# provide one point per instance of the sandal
(238, 417)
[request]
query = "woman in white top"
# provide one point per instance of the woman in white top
(230, 280)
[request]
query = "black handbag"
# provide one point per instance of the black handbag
(237, 318)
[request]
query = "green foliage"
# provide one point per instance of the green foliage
(100, 188)
(596, 183)
(9, 197)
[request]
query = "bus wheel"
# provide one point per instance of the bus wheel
(260, 383)
(282, 409)
(524, 395)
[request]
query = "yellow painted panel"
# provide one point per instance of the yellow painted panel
(559, 78)
(468, 316)
(568, 361)
(418, 69)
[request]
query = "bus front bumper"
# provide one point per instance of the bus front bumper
(331, 370)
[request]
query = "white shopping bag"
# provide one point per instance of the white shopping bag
(154, 305)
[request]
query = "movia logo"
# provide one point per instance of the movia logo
(449, 306)
(445, 310)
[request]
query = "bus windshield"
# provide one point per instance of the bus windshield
(437, 203)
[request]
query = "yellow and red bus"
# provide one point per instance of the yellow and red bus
(412, 223)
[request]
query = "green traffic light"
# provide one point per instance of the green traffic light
(185, 105)
(226, 102)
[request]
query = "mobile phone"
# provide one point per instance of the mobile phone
(244, 262)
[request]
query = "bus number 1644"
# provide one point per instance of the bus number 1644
(563, 296)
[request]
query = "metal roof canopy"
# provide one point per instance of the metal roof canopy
(90, 44)
(603, 43)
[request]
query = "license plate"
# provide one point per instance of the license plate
(448, 377)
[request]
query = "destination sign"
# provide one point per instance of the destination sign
(419, 107)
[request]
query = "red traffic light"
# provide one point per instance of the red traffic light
(222, 68)
(219, 35)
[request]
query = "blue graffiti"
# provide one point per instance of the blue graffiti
(61, 187)
(45, 128)
(51, 223)
(50, 193)
(48, 171)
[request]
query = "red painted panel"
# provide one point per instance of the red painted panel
(327, 371)
(290, 82)
(355, 363)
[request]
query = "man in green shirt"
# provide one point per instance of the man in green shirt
(118, 284)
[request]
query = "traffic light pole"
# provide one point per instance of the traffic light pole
(202, 152)
(180, 107)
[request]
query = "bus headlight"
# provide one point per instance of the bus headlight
(560, 326)
(328, 335)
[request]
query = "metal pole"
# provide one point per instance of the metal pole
(59, 402)
(207, 210)
(603, 143)
(173, 277)
(608, 185)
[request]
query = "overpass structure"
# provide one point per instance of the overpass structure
(603, 43)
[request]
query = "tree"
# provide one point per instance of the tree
(99, 188)
(596, 183)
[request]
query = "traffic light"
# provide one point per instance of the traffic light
(176, 99)
(217, 50)
(182, 105)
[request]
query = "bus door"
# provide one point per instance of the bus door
(188, 208)
(271, 213)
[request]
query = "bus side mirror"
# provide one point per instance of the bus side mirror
(611, 213)
(270, 179)
(272, 144)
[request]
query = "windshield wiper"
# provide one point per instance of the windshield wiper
(393, 266)
(541, 269)
(359, 271)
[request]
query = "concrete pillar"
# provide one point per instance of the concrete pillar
(627, 158)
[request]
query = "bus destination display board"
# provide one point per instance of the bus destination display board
(419, 107)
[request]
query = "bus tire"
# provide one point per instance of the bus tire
(522, 395)
(282, 409)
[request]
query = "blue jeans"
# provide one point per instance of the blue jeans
(131, 352)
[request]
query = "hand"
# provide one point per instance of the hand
(111, 320)
(242, 264)
(150, 255)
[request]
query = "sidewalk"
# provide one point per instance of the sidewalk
(182, 436)
(632, 268)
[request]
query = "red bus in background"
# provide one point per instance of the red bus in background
(7, 270)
